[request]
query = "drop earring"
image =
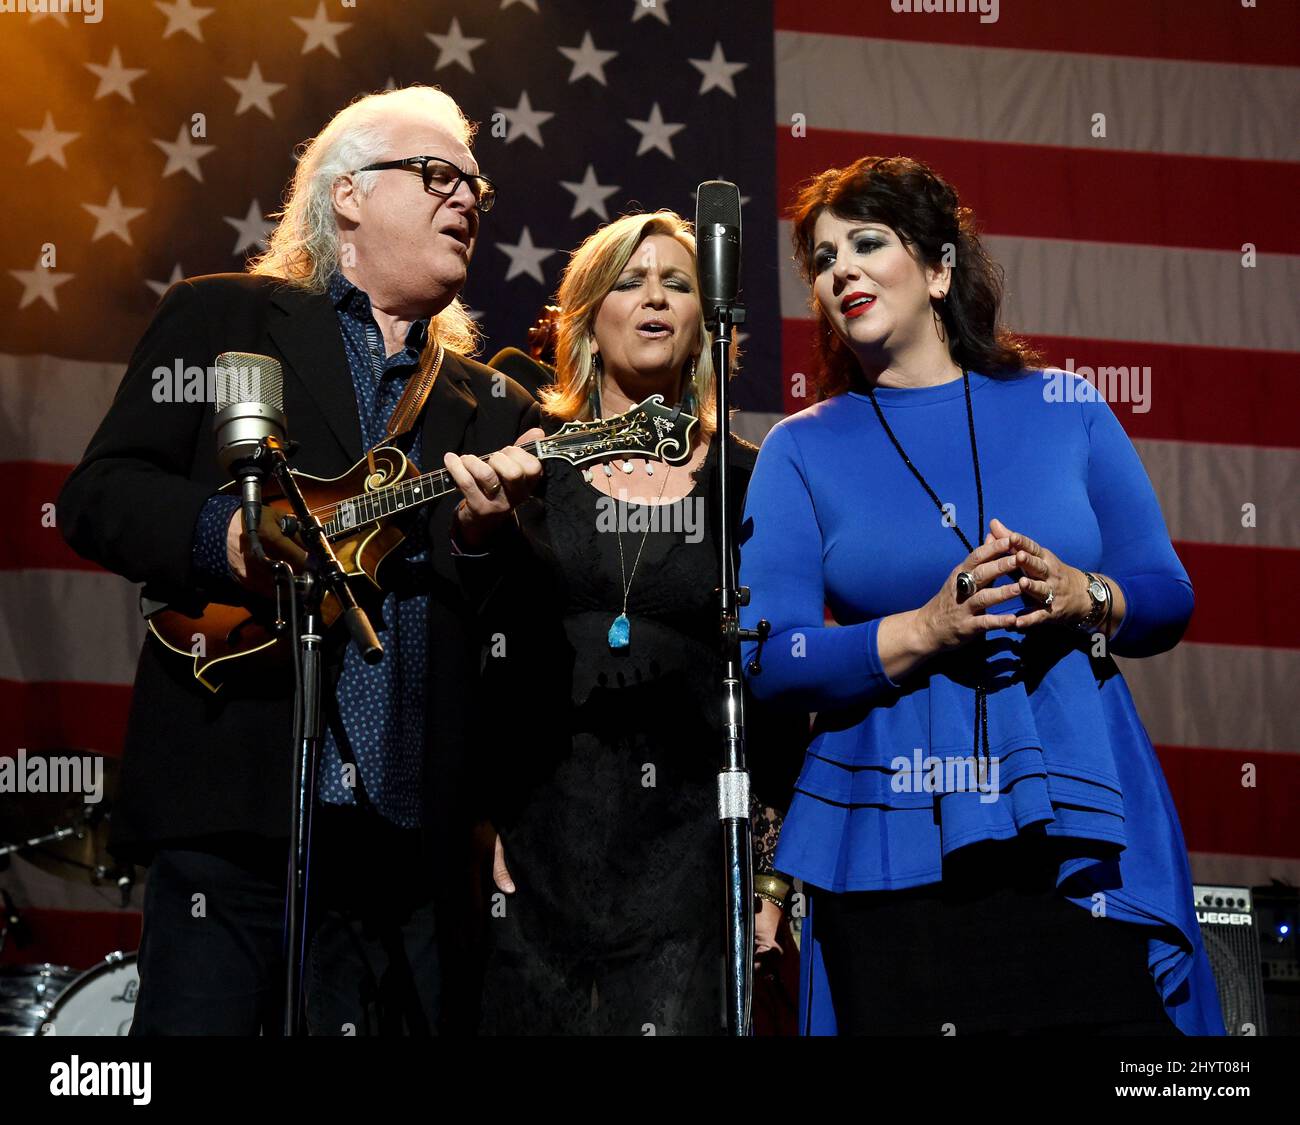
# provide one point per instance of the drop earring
(688, 401)
(593, 393)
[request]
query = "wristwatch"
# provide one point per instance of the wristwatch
(1099, 592)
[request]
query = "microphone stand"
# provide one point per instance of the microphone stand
(733, 779)
(321, 575)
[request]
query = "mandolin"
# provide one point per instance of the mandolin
(360, 513)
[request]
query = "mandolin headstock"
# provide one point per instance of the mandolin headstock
(649, 429)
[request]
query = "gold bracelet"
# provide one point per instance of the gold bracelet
(773, 888)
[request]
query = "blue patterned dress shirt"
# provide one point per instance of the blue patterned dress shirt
(380, 719)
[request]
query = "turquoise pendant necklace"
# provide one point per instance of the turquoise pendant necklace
(620, 631)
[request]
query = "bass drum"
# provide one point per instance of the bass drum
(99, 1002)
(26, 993)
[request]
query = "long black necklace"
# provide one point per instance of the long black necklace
(981, 696)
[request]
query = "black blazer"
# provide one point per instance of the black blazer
(199, 764)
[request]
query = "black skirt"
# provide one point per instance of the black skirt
(993, 949)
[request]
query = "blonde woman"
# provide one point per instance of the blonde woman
(602, 780)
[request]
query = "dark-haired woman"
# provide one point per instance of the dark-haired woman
(989, 841)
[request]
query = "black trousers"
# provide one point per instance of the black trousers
(211, 955)
(994, 949)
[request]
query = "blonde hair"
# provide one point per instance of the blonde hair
(304, 247)
(591, 273)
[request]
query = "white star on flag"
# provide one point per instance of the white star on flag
(253, 229)
(183, 16)
(255, 91)
(40, 283)
(589, 195)
(321, 31)
(114, 78)
(524, 121)
(525, 257)
(718, 73)
(112, 218)
(161, 287)
(656, 132)
(454, 47)
(183, 154)
(656, 8)
(588, 60)
(48, 142)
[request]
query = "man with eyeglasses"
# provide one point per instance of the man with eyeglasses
(360, 281)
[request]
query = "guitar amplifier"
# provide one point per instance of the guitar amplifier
(1230, 931)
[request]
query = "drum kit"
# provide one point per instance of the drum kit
(63, 835)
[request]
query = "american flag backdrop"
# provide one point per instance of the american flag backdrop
(1134, 166)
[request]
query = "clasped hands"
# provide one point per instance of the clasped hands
(950, 620)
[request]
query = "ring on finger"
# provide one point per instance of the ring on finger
(965, 585)
(490, 491)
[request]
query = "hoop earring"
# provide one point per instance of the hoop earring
(941, 329)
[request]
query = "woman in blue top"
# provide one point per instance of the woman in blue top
(981, 822)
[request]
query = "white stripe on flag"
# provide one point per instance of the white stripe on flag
(1225, 697)
(1226, 870)
(1110, 291)
(68, 625)
(49, 406)
(1037, 97)
(1201, 487)
(33, 886)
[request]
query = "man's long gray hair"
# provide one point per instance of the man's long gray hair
(304, 248)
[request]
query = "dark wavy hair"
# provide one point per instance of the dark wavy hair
(923, 209)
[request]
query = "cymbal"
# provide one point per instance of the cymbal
(27, 815)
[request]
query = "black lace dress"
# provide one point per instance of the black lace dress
(603, 783)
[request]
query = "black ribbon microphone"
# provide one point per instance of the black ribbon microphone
(717, 234)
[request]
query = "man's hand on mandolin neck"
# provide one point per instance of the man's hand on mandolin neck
(493, 487)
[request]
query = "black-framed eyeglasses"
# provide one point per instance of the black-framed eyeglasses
(443, 178)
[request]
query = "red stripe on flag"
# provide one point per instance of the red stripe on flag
(1265, 390)
(1221, 814)
(1185, 381)
(36, 543)
(1208, 30)
(54, 716)
(78, 938)
(1039, 191)
(1244, 595)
